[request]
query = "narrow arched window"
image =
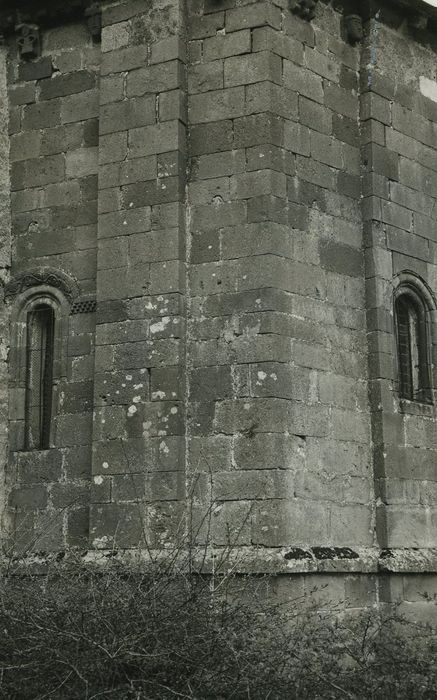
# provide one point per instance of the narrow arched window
(39, 376)
(413, 350)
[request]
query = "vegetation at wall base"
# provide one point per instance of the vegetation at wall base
(87, 632)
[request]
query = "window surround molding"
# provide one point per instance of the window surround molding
(408, 283)
(24, 297)
(46, 277)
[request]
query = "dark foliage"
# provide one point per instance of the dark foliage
(78, 632)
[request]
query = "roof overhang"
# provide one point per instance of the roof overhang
(419, 6)
(51, 12)
(46, 12)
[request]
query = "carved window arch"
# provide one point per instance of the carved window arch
(38, 356)
(414, 310)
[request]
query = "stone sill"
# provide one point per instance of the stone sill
(245, 560)
(416, 408)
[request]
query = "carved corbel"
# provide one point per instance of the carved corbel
(304, 8)
(93, 15)
(28, 40)
(419, 21)
(354, 28)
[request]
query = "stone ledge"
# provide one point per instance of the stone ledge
(245, 560)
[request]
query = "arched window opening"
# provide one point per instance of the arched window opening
(39, 376)
(412, 339)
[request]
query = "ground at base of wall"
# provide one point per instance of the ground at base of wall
(79, 631)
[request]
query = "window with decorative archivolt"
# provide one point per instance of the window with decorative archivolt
(41, 304)
(413, 345)
(39, 376)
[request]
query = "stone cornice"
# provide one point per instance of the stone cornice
(55, 12)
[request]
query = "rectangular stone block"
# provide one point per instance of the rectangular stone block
(304, 82)
(267, 39)
(157, 138)
(111, 89)
(157, 78)
(406, 526)
(128, 114)
(69, 84)
(341, 258)
(326, 150)
(346, 129)
(78, 527)
(290, 523)
(22, 94)
(205, 25)
(266, 96)
(396, 215)
(29, 498)
(216, 105)
(246, 185)
(315, 116)
(322, 64)
(341, 101)
(206, 76)
(42, 115)
(113, 147)
(251, 485)
(381, 160)
(259, 129)
(315, 172)
(251, 68)
(81, 162)
(41, 171)
(124, 59)
(115, 36)
(74, 430)
(259, 14)
(77, 108)
(211, 137)
(36, 70)
(25, 145)
(222, 46)
(116, 525)
(168, 49)
(375, 107)
(351, 525)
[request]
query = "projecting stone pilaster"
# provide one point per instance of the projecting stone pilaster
(139, 443)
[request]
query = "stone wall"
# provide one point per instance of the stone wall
(54, 106)
(5, 260)
(225, 199)
(279, 374)
(139, 443)
(399, 113)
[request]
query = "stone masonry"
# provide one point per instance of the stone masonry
(220, 201)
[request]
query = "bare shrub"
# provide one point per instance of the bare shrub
(80, 631)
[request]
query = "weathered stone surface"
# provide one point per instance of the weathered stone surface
(239, 214)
